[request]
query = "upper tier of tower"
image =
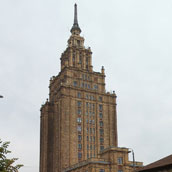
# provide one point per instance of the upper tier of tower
(76, 55)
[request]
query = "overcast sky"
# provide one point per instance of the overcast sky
(131, 38)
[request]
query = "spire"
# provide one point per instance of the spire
(75, 24)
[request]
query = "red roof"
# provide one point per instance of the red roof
(160, 163)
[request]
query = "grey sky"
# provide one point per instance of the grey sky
(131, 38)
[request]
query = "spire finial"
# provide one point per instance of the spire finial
(75, 24)
(75, 15)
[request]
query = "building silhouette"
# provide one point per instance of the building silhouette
(79, 121)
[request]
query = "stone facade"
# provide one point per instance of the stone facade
(79, 121)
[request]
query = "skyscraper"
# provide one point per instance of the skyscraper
(79, 121)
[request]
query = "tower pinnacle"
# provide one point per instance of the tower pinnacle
(75, 26)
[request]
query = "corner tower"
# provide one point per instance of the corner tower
(78, 121)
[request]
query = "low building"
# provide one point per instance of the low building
(162, 165)
(112, 159)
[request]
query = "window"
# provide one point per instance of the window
(79, 120)
(86, 60)
(87, 121)
(120, 160)
(79, 137)
(82, 76)
(85, 77)
(80, 60)
(93, 130)
(79, 95)
(82, 85)
(90, 121)
(87, 138)
(90, 106)
(79, 155)
(100, 107)
(79, 111)
(79, 128)
(73, 59)
(101, 131)
(87, 155)
(101, 140)
(101, 123)
(93, 106)
(87, 147)
(120, 171)
(101, 170)
(93, 113)
(79, 146)
(86, 96)
(93, 138)
(87, 104)
(100, 99)
(90, 138)
(74, 83)
(95, 87)
(79, 103)
(101, 148)
(89, 86)
(101, 115)
(87, 129)
(93, 121)
(90, 130)
(85, 85)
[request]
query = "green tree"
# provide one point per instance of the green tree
(7, 165)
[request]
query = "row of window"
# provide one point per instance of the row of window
(90, 105)
(92, 131)
(91, 138)
(89, 97)
(90, 114)
(85, 85)
(80, 58)
(86, 77)
(91, 147)
(79, 112)
(79, 120)
(90, 155)
(90, 121)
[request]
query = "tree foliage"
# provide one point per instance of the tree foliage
(7, 165)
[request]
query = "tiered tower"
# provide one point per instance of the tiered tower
(78, 122)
